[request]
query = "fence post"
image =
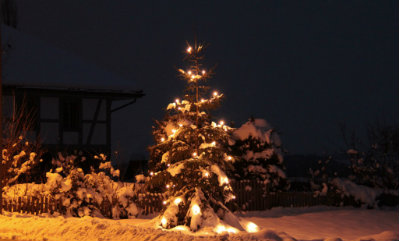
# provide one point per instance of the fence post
(46, 204)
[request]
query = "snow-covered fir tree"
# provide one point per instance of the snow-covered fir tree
(257, 147)
(189, 160)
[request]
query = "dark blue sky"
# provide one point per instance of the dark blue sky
(304, 66)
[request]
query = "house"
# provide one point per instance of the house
(70, 101)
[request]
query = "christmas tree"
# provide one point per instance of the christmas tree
(189, 160)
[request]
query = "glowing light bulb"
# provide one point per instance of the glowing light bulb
(232, 230)
(194, 154)
(221, 122)
(168, 165)
(213, 143)
(164, 222)
(180, 124)
(189, 49)
(215, 93)
(167, 186)
(164, 202)
(174, 131)
(151, 173)
(206, 174)
(220, 228)
(229, 158)
(233, 197)
(177, 201)
(252, 228)
(196, 209)
(202, 100)
(177, 100)
(162, 139)
(203, 72)
(189, 72)
(224, 180)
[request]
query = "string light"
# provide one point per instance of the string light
(222, 229)
(224, 180)
(177, 101)
(229, 158)
(252, 228)
(151, 173)
(177, 201)
(221, 122)
(174, 131)
(202, 100)
(213, 143)
(180, 124)
(203, 72)
(164, 222)
(189, 49)
(164, 202)
(196, 209)
(206, 174)
(194, 154)
(189, 72)
(167, 186)
(232, 230)
(215, 93)
(162, 139)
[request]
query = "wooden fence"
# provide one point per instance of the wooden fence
(148, 204)
(32, 205)
(250, 196)
(253, 195)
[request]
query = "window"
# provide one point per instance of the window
(71, 114)
(26, 115)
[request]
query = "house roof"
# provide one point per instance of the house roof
(67, 92)
(33, 63)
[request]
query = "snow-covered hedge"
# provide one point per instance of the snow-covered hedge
(82, 193)
(343, 191)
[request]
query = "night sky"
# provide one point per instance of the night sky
(304, 66)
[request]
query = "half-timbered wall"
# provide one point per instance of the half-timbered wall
(67, 122)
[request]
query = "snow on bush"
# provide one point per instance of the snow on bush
(17, 160)
(258, 155)
(361, 193)
(82, 194)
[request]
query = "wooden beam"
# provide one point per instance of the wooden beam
(108, 118)
(72, 92)
(93, 123)
(123, 106)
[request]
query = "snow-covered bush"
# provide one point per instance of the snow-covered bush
(83, 194)
(258, 155)
(375, 163)
(374, 170)
(20, 154)
(17, 161)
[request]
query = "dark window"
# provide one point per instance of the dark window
(26, 114)
(71, 114)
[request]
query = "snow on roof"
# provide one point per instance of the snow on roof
(32, 62)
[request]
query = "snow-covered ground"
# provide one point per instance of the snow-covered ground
(279, 224)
